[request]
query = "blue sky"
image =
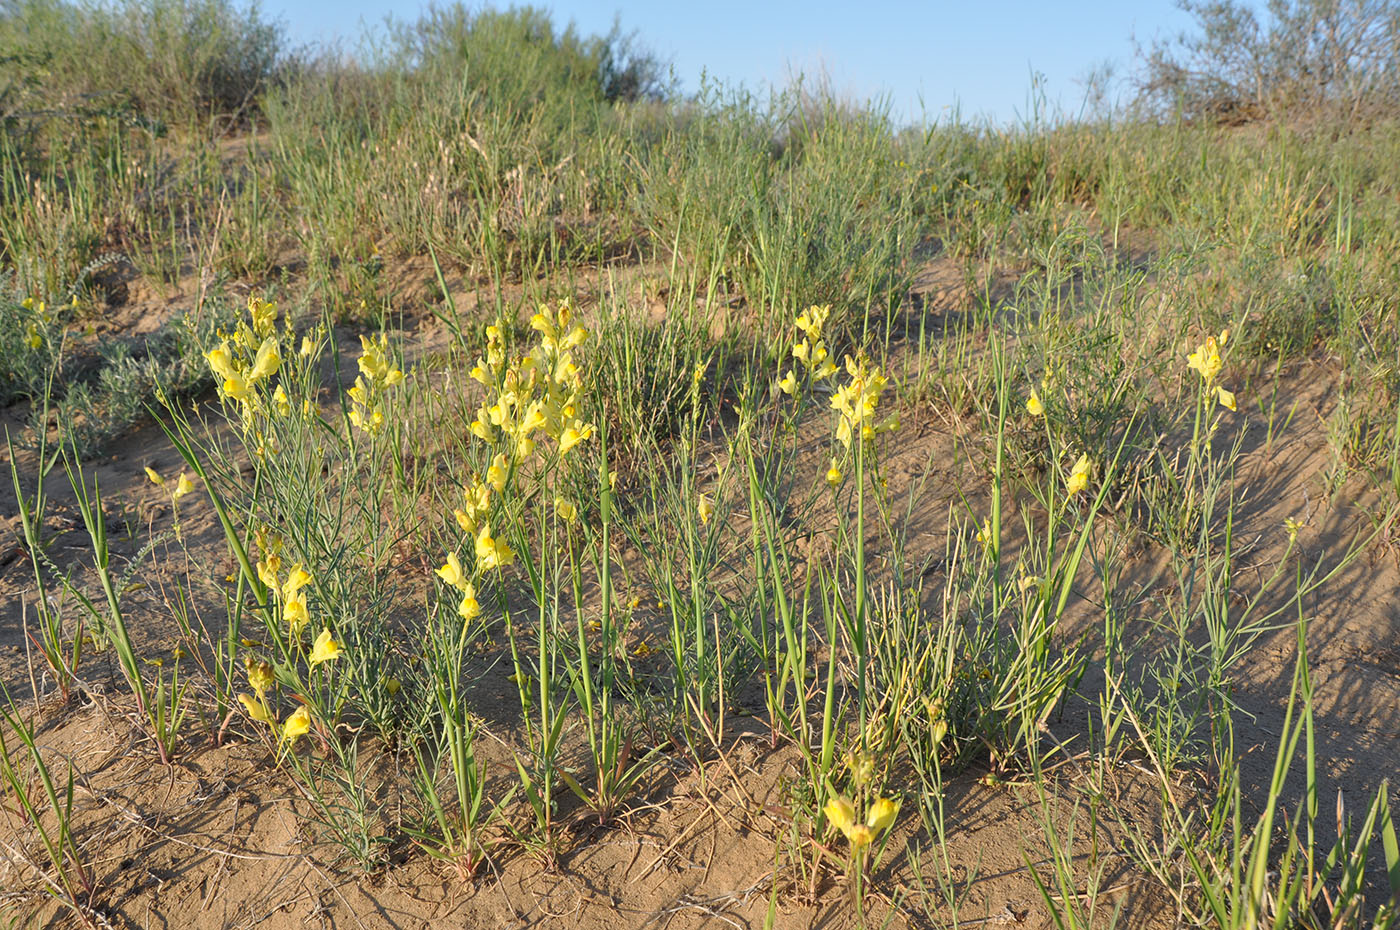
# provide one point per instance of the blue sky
(924, 57)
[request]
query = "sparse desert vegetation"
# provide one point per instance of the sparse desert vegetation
(466, 482)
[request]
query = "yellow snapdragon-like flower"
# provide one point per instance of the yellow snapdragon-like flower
(704, 508)
(490, 551)
(155, 476)
(881, 815)
(1078, 475)
(1033, 405)
(452, 571)
(298, 724)
(1206, 359)
(834, 475)
(324, 649)
(468, 609)
(257, 709)
(183, 486)
(841, 813)
(260, 677)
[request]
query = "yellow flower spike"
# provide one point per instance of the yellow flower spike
(841, 813)
(704, 508)
(1033, 405)
(1227, 398)
(155, 476)
(788, 385)
(298, 724)
(860, 836)
(1292, 526)
(256, 709)
(263, 313)
(881, 815)
(469, 608)
(324, 649)
(183, 486)
(1079, 475)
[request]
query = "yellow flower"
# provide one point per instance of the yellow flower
(221, 363)
(704, 508)
(834, 475)
(1227, 399)
(984, 535)
(260, 677)
(268, 360)
(268, 568)
(324, 649)
(1078, 475)
(1293, 526)
(256, 709)
(1033, 405)
(469, 609)
(789, 383)
(497, 473)
(1206, 359)
(491, 552)
(155, 476)
(881, 815)
(295, 613)
(392, 685)
(182, 487)
(298, 724)
(841, 813)
(573, 436)
(860, 836)
(452, 572)
(297, 579)
(566, 510)
(264, 314)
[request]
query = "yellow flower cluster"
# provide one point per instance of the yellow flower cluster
(261, 680)
(810, 350)
(289, 591)
(1206, 360)
(860, 834)
(377, 375)
(857, 400)
(246, 360)
(539, 393)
